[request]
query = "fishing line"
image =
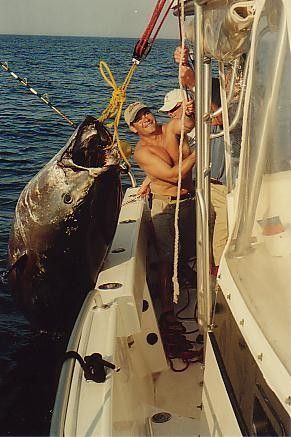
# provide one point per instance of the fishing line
(43, 97)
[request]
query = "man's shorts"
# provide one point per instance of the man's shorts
(163, 218)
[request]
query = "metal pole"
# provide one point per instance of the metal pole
(231, 89)
(207, 85)
(200, 209)
(239, 109)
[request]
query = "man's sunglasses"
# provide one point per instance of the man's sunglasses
(140, 115)
(175, 108)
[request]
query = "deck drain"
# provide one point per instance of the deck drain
(161, 417)
(145, 306)
(118, 250)
(110, 286)
(152, 338)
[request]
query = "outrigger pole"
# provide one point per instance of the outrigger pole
(43, 97)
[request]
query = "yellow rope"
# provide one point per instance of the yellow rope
(114, 108)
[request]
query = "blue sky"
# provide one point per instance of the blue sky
(125, 18)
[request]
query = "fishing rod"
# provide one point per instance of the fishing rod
(43, 97)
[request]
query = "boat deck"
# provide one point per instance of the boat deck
(179, 393)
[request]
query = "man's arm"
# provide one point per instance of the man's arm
(175, 125)
(153, 165)
(187, 73)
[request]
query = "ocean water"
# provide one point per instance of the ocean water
(65, 68)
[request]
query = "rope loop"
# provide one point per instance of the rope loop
(114, 108)
(118, 94)
(107, 75)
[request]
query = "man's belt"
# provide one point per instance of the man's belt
(215, 181)
(169, 198)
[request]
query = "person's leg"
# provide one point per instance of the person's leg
(163, 216)
(163, 226)
(166, 287)
(172, 331)
(187, 231)
(220, 234)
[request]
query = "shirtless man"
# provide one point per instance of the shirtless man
(157, 153)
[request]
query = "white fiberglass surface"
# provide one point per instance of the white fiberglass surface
(259, 255)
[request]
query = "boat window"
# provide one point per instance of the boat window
(259, 253)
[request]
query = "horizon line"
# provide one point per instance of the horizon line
(80, 36)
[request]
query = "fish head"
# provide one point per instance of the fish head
(64, 184)
(92, 146)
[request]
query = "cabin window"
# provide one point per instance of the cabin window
(259, 254)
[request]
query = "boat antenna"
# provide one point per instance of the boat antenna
(43, 97)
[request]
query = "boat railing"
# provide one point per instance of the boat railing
(62, 397)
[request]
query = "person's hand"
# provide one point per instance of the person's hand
(190, 108)
(182, 53)
(186, 72)
(143, 190)
(187, 76)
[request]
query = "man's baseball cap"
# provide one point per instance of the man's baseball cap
(132, 110)
(172, 98)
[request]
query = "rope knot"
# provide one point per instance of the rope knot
(114, 108)
(118, 95)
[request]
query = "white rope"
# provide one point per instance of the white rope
(227, 149)
(176, 286)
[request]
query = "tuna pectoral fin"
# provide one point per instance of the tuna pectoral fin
(19, 264)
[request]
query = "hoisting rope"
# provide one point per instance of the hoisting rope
(43, 97)
(141, 50)
(114, 108)
(176, 287)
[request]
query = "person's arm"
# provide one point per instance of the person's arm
(158, 168)
(175, 125)
(187, 73)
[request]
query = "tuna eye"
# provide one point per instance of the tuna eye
(68, 198)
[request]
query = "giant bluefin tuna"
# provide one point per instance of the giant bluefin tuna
(64, 223)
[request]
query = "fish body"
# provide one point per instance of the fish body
(64, 223)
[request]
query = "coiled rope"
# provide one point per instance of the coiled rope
(176, 287)
(114, 108)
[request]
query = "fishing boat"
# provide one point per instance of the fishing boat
(117, 379)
